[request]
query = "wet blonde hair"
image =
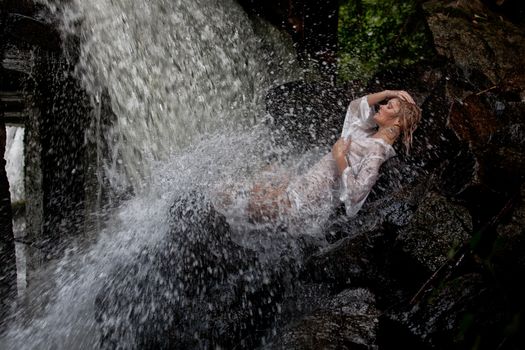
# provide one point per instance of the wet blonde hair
(409, 116)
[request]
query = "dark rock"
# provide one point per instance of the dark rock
(507, 257)
(459, 313)
(194, 289)
(496, 142)
(311, 24)
(511, 9)
(347, 262)
(306, 115)
(345, 321)
(436, 230)
(477, 40)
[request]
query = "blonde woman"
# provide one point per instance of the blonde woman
(346, 174)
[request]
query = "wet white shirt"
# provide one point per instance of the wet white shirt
(320, 190)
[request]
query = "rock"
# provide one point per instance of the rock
(477, 40)
(306, 115)
(194, 289)
(495, 139)
(345, 321)
(507, 256)
(347, 262)
(436, 230)
(458, 311)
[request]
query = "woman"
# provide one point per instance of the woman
(346, 174)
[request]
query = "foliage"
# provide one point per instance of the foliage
(379, 34)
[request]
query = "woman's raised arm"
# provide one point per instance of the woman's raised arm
(377, 97)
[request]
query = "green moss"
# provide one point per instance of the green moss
(374, 35)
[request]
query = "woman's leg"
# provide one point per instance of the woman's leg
(268, 200)
(261, 202)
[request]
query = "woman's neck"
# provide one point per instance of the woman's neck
(388, 134)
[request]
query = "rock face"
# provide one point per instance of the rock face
(488, 87)
(436, 230)
(311, 23)
(478, 41)
(347, 320)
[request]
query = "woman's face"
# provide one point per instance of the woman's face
(386, 115)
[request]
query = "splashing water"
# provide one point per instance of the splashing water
(138, 229)
(185, 80)
(172, 70)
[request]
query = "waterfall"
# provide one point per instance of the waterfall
(185, 81)
(173, 70)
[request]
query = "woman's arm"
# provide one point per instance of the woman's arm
(356, 188)
(383, 95)
(339, 151)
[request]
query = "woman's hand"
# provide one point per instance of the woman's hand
(402, 95)
(339, 151)
(387, 94)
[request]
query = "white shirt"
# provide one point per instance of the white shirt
(319, 190)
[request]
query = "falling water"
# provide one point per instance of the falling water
(185, 80)
(173, 70)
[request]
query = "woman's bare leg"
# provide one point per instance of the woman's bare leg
(268, 199)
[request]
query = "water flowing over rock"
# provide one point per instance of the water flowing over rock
(194, 289)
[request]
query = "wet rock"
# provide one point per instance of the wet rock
(194, 289)
(438, 227)
(477, 40)
(347, 262)
(305, 115)
(507, 257)
(345, 321)
(455, 314)
(495, 140)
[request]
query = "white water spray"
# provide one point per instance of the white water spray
(185, 80)
(172, 69)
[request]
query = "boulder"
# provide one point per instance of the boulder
(459, 313)
(437, 228)
(348, 262)
(478, 41)
(194, 289)
(347, 320)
